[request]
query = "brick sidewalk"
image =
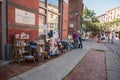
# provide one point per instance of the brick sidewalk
(91, 67)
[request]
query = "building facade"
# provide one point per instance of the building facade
(32, 17)
(102, 18)
(16, 17)
(75, 16)
(55, 16)
(52, 18)
(22, 17)
(64, 8)
(110, 16)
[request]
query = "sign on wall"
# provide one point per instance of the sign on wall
(71, 25)
(24, 17)
(43, 30)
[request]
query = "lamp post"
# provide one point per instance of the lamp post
(87, 19)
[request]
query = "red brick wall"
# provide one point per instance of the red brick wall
(33, 4)
(11, 14)
(32, 33)
(72, 16)
(65, 21)
(81, 6)
(29, 4)
(75, 7)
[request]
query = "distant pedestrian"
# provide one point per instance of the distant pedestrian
(112, 39)
(119, 35)
(98, 38)
(108, 38)
(80, 42)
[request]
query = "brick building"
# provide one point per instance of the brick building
(110, 16)
(75, 13)
(27, 16)
(22, 16)
(17, 16)
(64, 18)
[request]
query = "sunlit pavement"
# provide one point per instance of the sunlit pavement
(58, 68)
(115, 47)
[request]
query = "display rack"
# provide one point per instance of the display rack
(19, 49)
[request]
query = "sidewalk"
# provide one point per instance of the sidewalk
(61, 66)
(55, 69)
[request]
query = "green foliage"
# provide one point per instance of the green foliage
(108, 25)
(92, 26)
(88, 13)
(115, 22)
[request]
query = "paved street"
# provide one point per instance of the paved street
(61, 66)
(115, 47)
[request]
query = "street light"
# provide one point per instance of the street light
(87, 19)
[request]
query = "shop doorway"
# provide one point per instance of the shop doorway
(0, 30)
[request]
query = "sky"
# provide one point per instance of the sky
(101, 6)
(53, 2)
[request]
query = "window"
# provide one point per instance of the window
(51, 15)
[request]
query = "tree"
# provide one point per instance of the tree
(109, 25)
(93, 25)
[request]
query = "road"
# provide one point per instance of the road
(115, 47)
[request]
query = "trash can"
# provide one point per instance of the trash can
(8, 51)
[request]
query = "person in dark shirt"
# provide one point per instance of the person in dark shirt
(80, 42)
(119, 35)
